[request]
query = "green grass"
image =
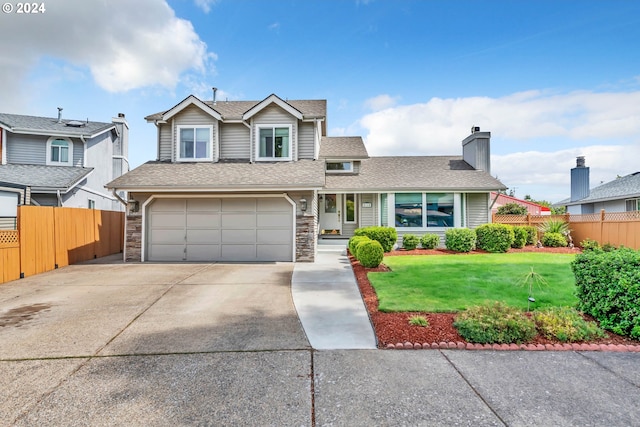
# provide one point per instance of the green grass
(450, 283)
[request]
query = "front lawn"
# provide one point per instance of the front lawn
(450, 283)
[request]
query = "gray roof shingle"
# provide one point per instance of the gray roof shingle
(343, 147)
(415, 173)
(43, 177)
(32, 124)
(212, 176)
(626, 187)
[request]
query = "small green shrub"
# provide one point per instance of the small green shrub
(519, 237)
(418, 321)
(460, 239)
(387, 236)
(494, 237)
(608, 247)
(410, 241)
(566, 324)
(511, 209)
(590, 245)
(429, 241)
(495, 323)
(370, 254)
(554, 226)
(608, 288)
(532, 234)
(554, 240)
(354, 242)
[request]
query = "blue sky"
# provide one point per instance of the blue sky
(551, 80)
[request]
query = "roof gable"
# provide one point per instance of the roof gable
(188, 101)
(272, 99)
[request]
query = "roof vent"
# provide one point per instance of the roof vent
(215, 89)
(75, 124)
(59, 114)
(475, 129)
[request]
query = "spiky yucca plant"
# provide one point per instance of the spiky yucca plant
(554, 226)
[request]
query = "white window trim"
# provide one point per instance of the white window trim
(457, 206)
(209, 158)
(338, 171)
(50, 162)
(257, 143)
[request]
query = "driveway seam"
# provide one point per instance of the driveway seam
(477, 393)
(606, 368)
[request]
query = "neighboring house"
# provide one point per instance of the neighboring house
(261, 181)
(619, 195)
(500, 199)
(58, 162)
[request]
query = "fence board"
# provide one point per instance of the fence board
(9, 255)
(37, 241)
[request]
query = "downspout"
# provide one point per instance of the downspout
(4, 146)
(84, 151)
(155, 122)
(117, 196)
(489, 214)
(59, 198)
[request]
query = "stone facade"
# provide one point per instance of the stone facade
(133, 238)
(305, 238)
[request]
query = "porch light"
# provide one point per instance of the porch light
(303, 204)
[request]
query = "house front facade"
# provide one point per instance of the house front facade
(60, 162)
(261, 181)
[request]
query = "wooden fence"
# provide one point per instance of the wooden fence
(51, 237)
(616, 228)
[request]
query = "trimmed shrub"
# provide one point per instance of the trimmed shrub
(494, 237)
(495, 323)
(566, 324)
(410, 242)
(387, 236)
(512, 209)
(532, 234)
(590, 245)
(354, 242)
(554, 240)
(370, 254)
(429, 241)
(460, 239)
(519, 237)
(608, 288)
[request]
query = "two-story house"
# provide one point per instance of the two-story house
(59, 162)
(261, 181)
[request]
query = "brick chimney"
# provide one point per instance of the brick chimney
(579, 180)
(476, 149)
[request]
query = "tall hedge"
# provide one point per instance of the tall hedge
(387, 236)
(495, 237)
(608, 288)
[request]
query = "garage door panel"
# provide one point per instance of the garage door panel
(273, 204)
(238, 205)
(238, 252)
(273, 236)
(168, 205)
(273, 252)
(203, 252)
(166, 219)
(274, 220)
(161, 252)
(203, 236)
(243, 237)
(238, 221)
(167, 236)
(204, 205)
(203, 220)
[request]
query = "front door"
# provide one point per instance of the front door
(330, 213)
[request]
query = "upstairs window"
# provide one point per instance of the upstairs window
(274, 142)
(194, 143)
(339, 167)
(633, 205)
(59, 152)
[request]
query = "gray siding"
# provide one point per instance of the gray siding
(306, 148)
(27, 149)
(275, 115)
(193, 115)
(368, 216)
(165, 146)
(477, 205)
(78, 152)
(234, 141)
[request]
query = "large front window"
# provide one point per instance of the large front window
(194, 143)
(421, 210)
(274, 142)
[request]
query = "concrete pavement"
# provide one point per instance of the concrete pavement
(152, 345)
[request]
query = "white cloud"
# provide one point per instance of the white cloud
(274, 27)
(205, 5)
(381, 102)
(536, 135)
(124, 45)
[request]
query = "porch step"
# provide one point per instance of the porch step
(332, 245)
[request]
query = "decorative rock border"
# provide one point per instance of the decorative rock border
(621, 348)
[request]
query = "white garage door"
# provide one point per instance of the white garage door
(220, 229)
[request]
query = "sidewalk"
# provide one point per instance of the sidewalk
(329, 304)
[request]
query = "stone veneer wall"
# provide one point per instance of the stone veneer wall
(305, 238)
(133, 238)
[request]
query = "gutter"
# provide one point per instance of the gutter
(117, 196)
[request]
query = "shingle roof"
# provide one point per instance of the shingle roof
(626, 187)
(343, 147)
(212, 176)
(419, 173)
(43, 177)
(233, 110)
(32, 124)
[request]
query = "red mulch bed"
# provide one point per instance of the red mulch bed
(394, 328)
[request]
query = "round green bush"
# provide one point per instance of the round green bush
(354, 242)
(495, 237)
(410, 242)
(519, 237)
(429, 241)
(370, 254)
(554, 240)
(387, 236)
(460, 239)
(495, 323)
